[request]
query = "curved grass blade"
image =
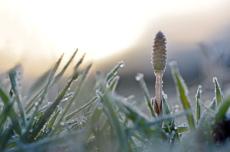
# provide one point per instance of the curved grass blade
(183, 94)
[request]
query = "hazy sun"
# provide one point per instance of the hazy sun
(100, 28)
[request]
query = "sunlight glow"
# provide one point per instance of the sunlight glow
(99, 28)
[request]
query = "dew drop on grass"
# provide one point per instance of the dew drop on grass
(65, 99)
(139, 76)
(36, 104)
(121, 64)
(35, 118)
(62, 123)
(176, 108)
(61, 110)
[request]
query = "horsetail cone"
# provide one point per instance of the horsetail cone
(159, 64)
(159, 53)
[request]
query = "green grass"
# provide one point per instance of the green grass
(107, 121)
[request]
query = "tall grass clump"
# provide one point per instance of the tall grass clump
(107, 121)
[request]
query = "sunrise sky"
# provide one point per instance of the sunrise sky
(41, 30)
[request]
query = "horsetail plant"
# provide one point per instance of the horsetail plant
(159, 64)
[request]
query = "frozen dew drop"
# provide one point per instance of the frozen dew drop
(139, 76)
(36, 104)
(121, 64)
(62, 123)
(176, 108)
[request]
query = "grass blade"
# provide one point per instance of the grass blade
(6, 137)
(165, 106)
(113, 83)
(198, 107)
(183, 94)
(140, 79)
(218, 92)
(12, 114)
(111, 114)
(70, 115)
(28, 136)
(222, 110)
(160, 119)
(113, 73)
(49, 78)
(60, 74)
(84, 75)
(4, 114)
(49, 125)
(37, 104)
(15, 88)
(39, 83)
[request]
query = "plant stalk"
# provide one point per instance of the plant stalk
(158, 93)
